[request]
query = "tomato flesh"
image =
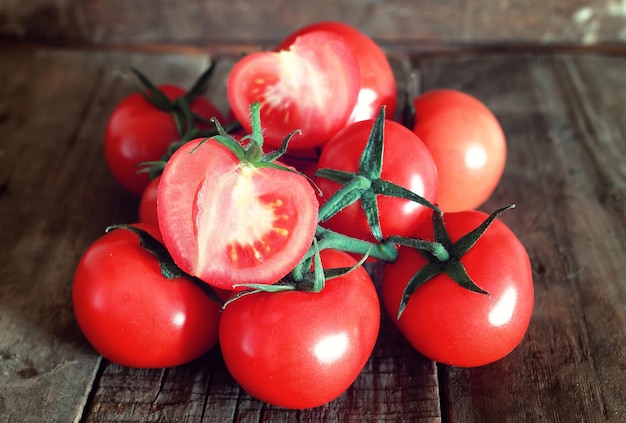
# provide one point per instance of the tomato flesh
(228, 222)
(378, 85)
(312, 87)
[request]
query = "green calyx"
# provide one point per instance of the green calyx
(444, 256)
(252, 153)
(169, 269)
(366, 184)
(186, 120)
(155, 168)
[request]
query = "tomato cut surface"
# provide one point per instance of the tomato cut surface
(312, 87)
(378, 84)
(228, 222)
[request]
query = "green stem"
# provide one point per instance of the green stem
(327, 239)
(433, 247)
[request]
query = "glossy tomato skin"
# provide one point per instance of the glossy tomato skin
(131, 314)
(467, 143)
(312, 87)
(453, 325)
(228, 222)
(406, 162)
(148, 203)
(378, 84)
(137, 132)
(300, 349)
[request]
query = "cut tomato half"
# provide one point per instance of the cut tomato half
(312, 86)
(228, 222)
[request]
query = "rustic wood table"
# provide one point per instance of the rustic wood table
(564, 116)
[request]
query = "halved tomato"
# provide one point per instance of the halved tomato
(312, 87)
(378, 84)
(229, 222)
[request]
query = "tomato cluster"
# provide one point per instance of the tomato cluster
(253, 235)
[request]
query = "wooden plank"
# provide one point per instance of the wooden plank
(45, 368)
(563, 117)
(414, 24)
(56, 197)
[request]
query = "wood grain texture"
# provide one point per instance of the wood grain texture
(56, 197)
(409, 22)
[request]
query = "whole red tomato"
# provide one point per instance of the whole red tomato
(229, 222)
(451, 324)
(300, 349)
(131, 314)
(378, 84)
(312, 87)
(148, 203)
(467, 144)
(405, 162)
(137, 132)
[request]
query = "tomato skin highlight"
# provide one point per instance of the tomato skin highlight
(131, 314)
(406, 162)
(137, 132)
(311, 87)
(229, 223)
(378, 84)
(467, 143)
(450, 324)
(300, 349)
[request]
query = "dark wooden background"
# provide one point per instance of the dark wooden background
(553, 72)
(408, 24)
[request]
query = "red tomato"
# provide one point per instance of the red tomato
(134, 316)
(406, 162)
(137, 132)
(378, 84)
(228, 222)
(148, 203)
(451, 324)
(312, 86)
(301, 349)
(305, 165)
(467, 144)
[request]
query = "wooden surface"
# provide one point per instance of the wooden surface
(563, 115)
(412, 23)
